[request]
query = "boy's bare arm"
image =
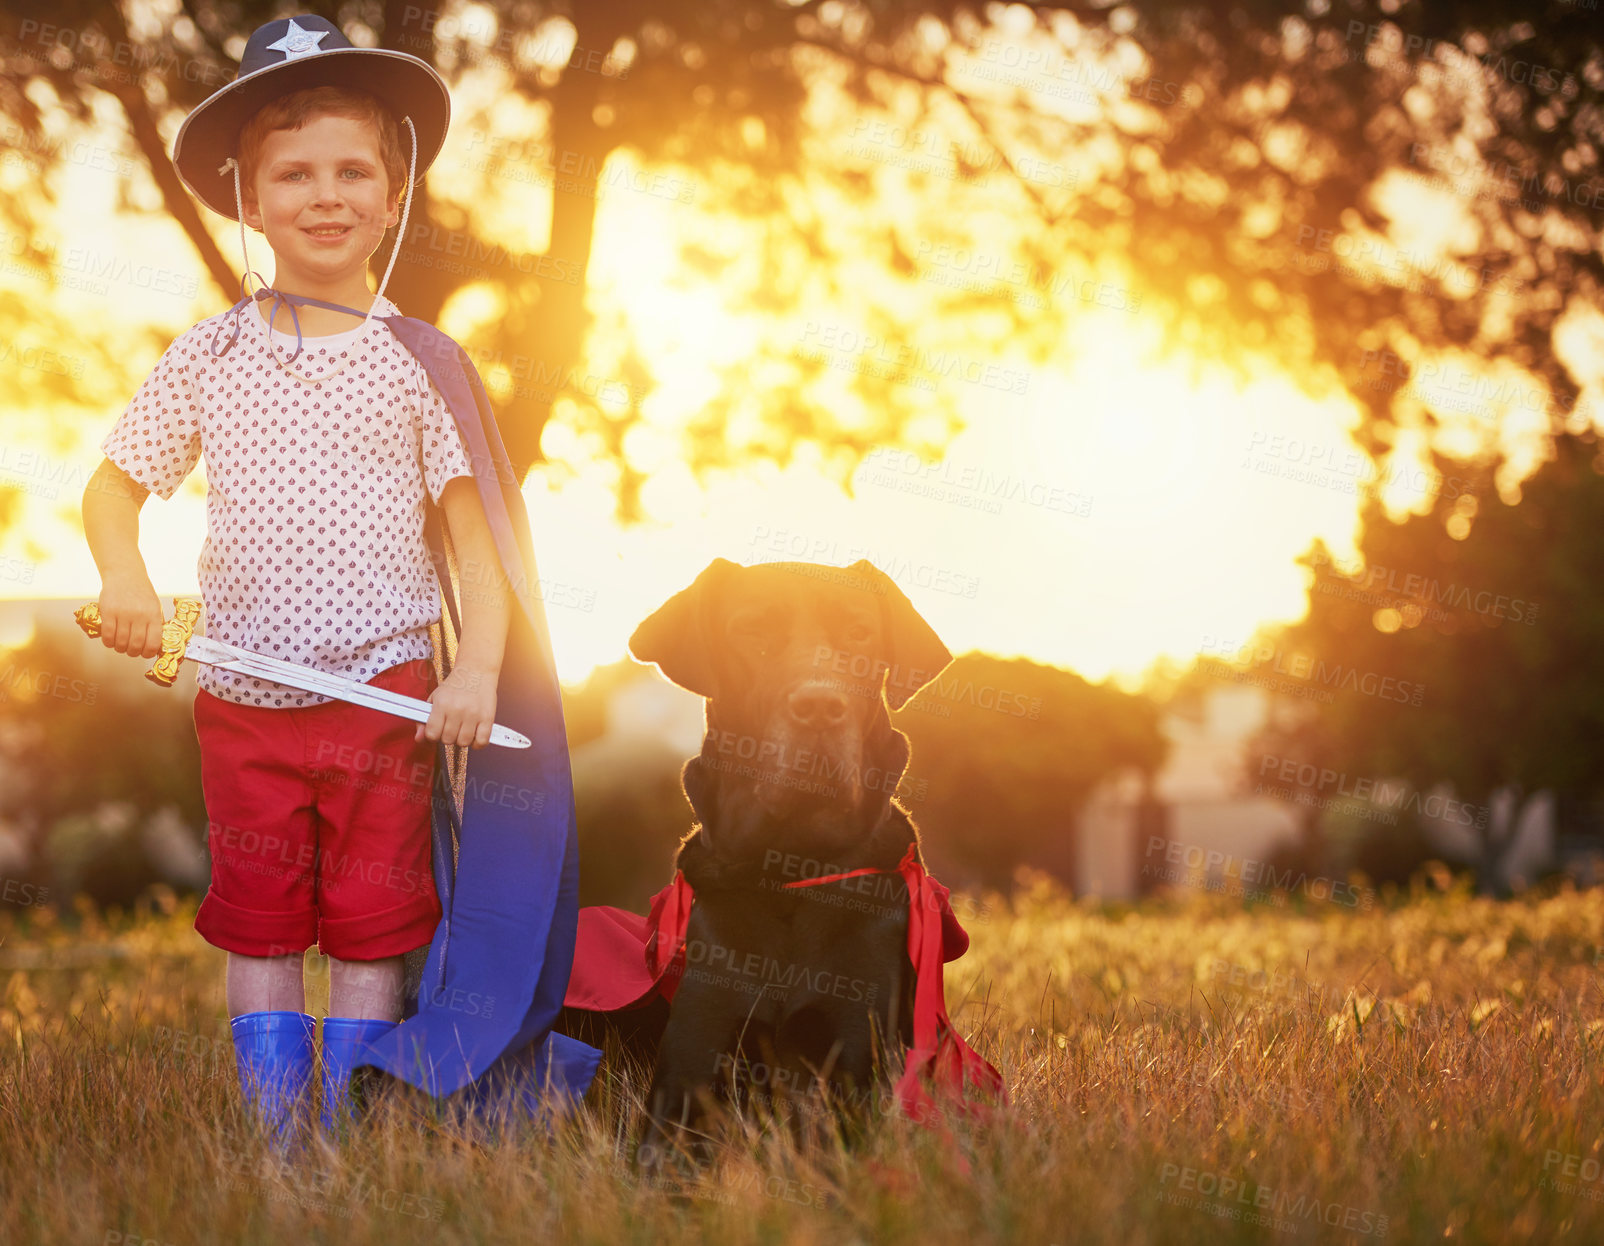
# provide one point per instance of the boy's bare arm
(465, 704)
(130, 613)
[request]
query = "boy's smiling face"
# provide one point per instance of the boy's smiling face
(321, 196)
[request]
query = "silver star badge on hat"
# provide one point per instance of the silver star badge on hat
(297, 42)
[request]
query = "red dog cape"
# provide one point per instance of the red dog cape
(623, 959)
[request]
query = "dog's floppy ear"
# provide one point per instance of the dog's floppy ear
(917, 655)
(676, 636)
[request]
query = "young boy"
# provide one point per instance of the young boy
(324, 448)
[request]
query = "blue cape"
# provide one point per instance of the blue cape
(507, 869)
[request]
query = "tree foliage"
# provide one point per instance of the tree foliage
(1490, 614)
(1005, 753)
(1231, 156)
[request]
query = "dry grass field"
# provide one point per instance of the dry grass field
(1185, 1070)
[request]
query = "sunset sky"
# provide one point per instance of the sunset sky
(1122, 508)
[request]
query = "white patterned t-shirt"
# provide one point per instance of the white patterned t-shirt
(315, 498)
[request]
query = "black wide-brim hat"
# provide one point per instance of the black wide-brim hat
(291, 54)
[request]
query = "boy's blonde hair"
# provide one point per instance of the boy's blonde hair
(292, 111)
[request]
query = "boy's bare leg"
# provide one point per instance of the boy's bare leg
(265, 984)
(366, 989)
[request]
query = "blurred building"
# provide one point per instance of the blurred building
(1202, 823)
(1131, 841)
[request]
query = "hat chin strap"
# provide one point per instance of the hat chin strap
(289, 300)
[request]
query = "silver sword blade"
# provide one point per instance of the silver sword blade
(277, 670)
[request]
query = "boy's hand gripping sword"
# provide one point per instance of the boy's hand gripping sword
(179, 642)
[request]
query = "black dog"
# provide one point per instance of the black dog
(787, 987)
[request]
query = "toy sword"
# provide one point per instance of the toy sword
(179, 642)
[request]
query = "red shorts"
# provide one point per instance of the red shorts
(318, 825)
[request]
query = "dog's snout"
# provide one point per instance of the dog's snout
(818, 706)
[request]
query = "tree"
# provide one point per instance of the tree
(1234, 166)
(1486, 618)
(1005, 753)
(86, 826)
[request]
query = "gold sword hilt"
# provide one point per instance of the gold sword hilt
(176, 632)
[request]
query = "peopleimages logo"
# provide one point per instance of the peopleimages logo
(1395, 795)
(1314, 674)
(1343, 468)
(753, 973)
(1242, 877)
(25, 684)
(1238, 1198)
(1570, 1173)
(1395, 586)
(969, 484)
(821, 337)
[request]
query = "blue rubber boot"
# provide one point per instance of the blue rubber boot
(343, 1041)
(273, 1051)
